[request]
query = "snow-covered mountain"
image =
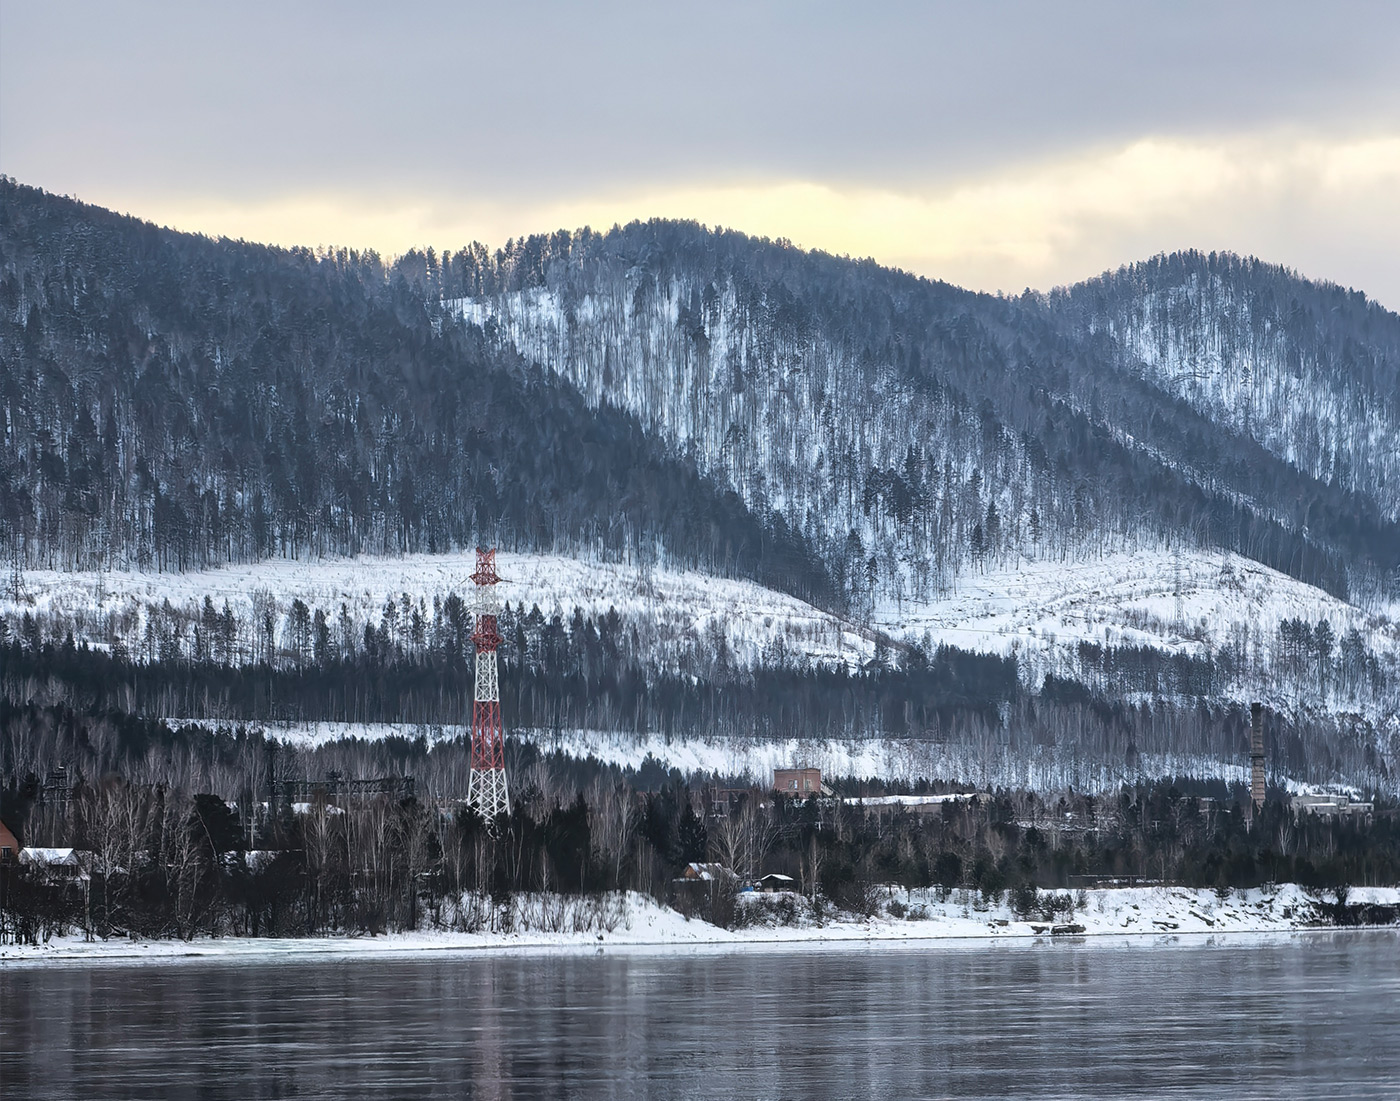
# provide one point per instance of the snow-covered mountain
(914, 431)
(782, 489)
(1310, 371)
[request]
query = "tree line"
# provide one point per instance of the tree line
(161, 862)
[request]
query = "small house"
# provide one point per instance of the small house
(799, 783)
(701, 885)
(696, 872)
(57, 864)
(775, 882)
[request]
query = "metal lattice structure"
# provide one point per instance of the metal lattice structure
(486, 790)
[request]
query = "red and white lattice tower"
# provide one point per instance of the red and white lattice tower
(486, 790)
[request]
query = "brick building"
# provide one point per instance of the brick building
(798, 782)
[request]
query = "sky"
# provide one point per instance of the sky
(994, 145)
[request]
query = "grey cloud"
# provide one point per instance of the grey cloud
(546, 100)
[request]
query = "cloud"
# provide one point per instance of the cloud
(1324, 206)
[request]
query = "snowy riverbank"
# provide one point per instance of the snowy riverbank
(637, 921)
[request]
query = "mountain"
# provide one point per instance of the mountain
(172, 402)
(914, 430)
(1310, 371)
(761, 492)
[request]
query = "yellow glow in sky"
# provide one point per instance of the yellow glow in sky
(1036, 224)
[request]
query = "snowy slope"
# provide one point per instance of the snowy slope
(680, 607)
(794, 420)
(1233, 340)
(1190, 602)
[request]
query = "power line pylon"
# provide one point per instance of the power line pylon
(486, 790)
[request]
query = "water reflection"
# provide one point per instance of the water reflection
(1312, 1014)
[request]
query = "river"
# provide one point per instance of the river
(1315, 1015)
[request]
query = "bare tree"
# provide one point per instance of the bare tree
(743, 839)
(615, 819)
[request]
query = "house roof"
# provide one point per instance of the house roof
(40, 855)
(911, 800)
(697, 870)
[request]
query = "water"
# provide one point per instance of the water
(1315, 1016)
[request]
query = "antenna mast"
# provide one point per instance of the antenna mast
(486, 790)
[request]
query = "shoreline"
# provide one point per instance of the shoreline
(258, 950)
(1137, 916)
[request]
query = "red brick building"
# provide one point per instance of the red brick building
(797, 782)
(9, 845)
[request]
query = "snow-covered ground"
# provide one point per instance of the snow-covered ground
(752, 760)
(1039, 610)
(1182, 602)
(638, 921)
(681, 607)
(1188, 602)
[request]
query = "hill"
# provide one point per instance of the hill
(749, 491)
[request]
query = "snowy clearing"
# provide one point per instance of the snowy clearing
(1177, 602)
(752, 760)
(1191, 602)
(683, 607)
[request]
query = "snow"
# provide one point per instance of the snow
(1189, 601)
(47, 856)
(638, 922)
(1173, 601)
(912, 800)
(752, 760)
(680, 607)
(313, 734)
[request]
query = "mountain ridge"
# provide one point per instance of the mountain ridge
(890, 429)
(911, 459)
(173, 401)
(1050, 396)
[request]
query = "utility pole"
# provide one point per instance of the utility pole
(1256, 755)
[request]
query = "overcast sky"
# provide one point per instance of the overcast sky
(995, 145)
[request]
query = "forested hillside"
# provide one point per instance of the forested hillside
(171, 401)
(914, 430)
(995, 522)
(1309, 370)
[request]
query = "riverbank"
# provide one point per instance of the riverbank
(638, 921)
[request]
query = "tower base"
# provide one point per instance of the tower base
(487, 793)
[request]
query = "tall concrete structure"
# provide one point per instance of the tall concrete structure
(486, 789)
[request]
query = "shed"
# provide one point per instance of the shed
(774, 882)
